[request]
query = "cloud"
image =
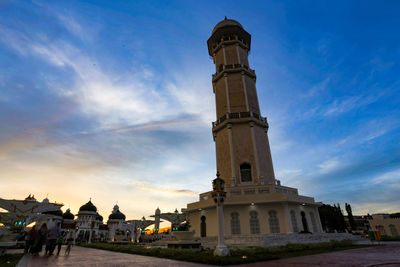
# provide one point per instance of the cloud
(328, 166)
(163, 190)
(132, 97)
(391, 178)
(317, 88)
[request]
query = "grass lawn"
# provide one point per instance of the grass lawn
(390, 238)
(10, 259)
(237, 256)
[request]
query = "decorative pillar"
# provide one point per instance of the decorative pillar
(219, 195)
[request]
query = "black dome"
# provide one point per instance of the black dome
(88, 207)
(117, 216)
(99, 217)
(226, 23)
(54, 212)
(68, 215)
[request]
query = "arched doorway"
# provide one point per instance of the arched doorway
(304, 221)
(203, 226)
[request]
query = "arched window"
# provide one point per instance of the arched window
(304, 221)
(235, 223)
(254, 223)
(294, 221)
(245, 172)
(313, 222)
(203, 226)
(393, 230)
(273, 222)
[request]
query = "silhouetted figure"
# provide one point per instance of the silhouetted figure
(69, 245)
(53, 235)
(60, 241)
(40, 240)
(30, 240)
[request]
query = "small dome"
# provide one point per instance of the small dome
(116, 215)
(46, 200)
(88, 207)
(53, 212)
(99, 217)
(225, 23)
(68, 215)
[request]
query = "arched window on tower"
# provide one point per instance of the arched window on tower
(294, 221)
(254, 223)
(273, 222)
(245, 172)
(235, 223)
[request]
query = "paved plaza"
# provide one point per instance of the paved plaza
(382, 256)
(95, 258)
(385, 256)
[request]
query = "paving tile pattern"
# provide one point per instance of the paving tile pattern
(379, 256)
(88, 257)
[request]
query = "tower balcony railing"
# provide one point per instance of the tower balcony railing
(227, 40)
(239, 115)
(222, 68)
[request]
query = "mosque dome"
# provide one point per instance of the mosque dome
(116, 215)
(226, 23)
(88, 207)
(46, 200)
(68, 215)
(53, 212)
(99, 217)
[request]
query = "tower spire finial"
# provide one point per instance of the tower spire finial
(226, 18)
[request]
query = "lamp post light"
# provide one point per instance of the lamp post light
(219, 195)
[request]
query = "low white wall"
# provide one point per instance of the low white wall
(269, 240)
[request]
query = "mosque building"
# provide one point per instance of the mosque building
(90, 226)
(256, 202)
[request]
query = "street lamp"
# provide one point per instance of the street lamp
(219, 195)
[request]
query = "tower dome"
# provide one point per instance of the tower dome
(226, 23)
(226, 32)
(68, 215)
(88, 207)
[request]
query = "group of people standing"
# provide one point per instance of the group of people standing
(50, 237)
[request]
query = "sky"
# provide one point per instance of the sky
(113, 101)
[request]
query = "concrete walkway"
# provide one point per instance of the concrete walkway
(382, 256)
(95, 258)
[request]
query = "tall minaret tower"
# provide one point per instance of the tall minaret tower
(240, 133)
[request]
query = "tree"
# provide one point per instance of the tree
(332, 218)
(350, 216)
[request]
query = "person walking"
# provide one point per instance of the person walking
(40, 240)
(70, 240)
(30, 239)
(60, 241)
(53, 235)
